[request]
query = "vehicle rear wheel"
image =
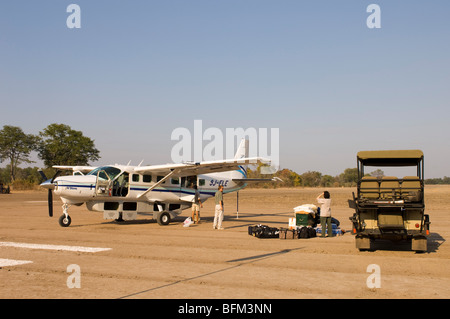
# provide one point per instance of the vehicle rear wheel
(363, 243)
(419, 244)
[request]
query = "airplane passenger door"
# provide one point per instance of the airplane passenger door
(103, 184)
(120, 185)
(187, 187)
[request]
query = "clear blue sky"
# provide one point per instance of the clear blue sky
(136, 70)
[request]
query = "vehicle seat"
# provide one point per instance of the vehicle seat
(389, 185)
(369, 187)
(411, 188)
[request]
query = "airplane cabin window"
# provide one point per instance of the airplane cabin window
(135, 177)
(147, 178)
(158, 178)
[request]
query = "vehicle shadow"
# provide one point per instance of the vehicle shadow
(434, 242)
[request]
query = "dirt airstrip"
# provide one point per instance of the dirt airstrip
(151, 261)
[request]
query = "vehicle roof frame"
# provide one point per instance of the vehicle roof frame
(391, 158)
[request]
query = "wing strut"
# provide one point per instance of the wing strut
(157, 184)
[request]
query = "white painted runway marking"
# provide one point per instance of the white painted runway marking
(54, 247)
(12, 262)
(36, 201)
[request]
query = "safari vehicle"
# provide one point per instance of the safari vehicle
(389, 207)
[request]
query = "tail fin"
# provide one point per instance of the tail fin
(242, 150)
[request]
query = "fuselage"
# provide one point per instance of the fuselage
(122, 184)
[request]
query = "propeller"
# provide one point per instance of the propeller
(50, 203)
(48, 183)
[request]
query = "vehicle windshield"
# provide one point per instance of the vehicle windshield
(110, 171)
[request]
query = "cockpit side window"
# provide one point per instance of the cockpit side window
(112, 172)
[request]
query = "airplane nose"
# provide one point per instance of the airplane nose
(48, 184)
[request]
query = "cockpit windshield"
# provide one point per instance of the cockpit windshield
(105, 172)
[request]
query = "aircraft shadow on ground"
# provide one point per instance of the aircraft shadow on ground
(248, 219)
(241, 262)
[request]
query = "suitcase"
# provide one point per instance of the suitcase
(286, 233)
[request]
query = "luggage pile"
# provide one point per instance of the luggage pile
(264, 231)
(305, 224)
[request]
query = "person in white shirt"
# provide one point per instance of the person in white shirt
(325, 213)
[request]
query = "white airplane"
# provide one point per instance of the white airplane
(121, 191)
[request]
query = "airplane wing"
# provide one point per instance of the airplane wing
(186, 169)
(83, 169)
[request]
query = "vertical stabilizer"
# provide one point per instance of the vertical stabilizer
(242, 150)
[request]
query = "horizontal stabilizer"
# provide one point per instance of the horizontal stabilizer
(257, 180)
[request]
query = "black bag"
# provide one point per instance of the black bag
(306, 232)
(303, 232)
(263, 231)
(335, 221)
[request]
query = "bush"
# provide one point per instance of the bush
(21, 184)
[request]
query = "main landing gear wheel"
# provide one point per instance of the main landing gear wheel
(163, 218)
(64, 221)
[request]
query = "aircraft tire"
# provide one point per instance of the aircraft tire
(163, 219)
(63, 221)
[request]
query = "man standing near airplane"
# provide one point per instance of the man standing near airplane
(196, 206)
(218, 214)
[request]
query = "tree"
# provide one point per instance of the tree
(327, 181)
(349, 177)
(290, 178)
(311, 179)
(15, 146)
(61, 145)
(377, 173)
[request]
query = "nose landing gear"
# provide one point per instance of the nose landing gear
(65, 220)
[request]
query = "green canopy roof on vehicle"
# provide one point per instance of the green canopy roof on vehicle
(390, 158)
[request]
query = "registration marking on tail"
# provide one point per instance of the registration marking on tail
(54, 247)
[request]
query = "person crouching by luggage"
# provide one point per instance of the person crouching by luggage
(218, 214)
(325, 213)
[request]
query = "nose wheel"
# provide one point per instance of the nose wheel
(65, 220)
